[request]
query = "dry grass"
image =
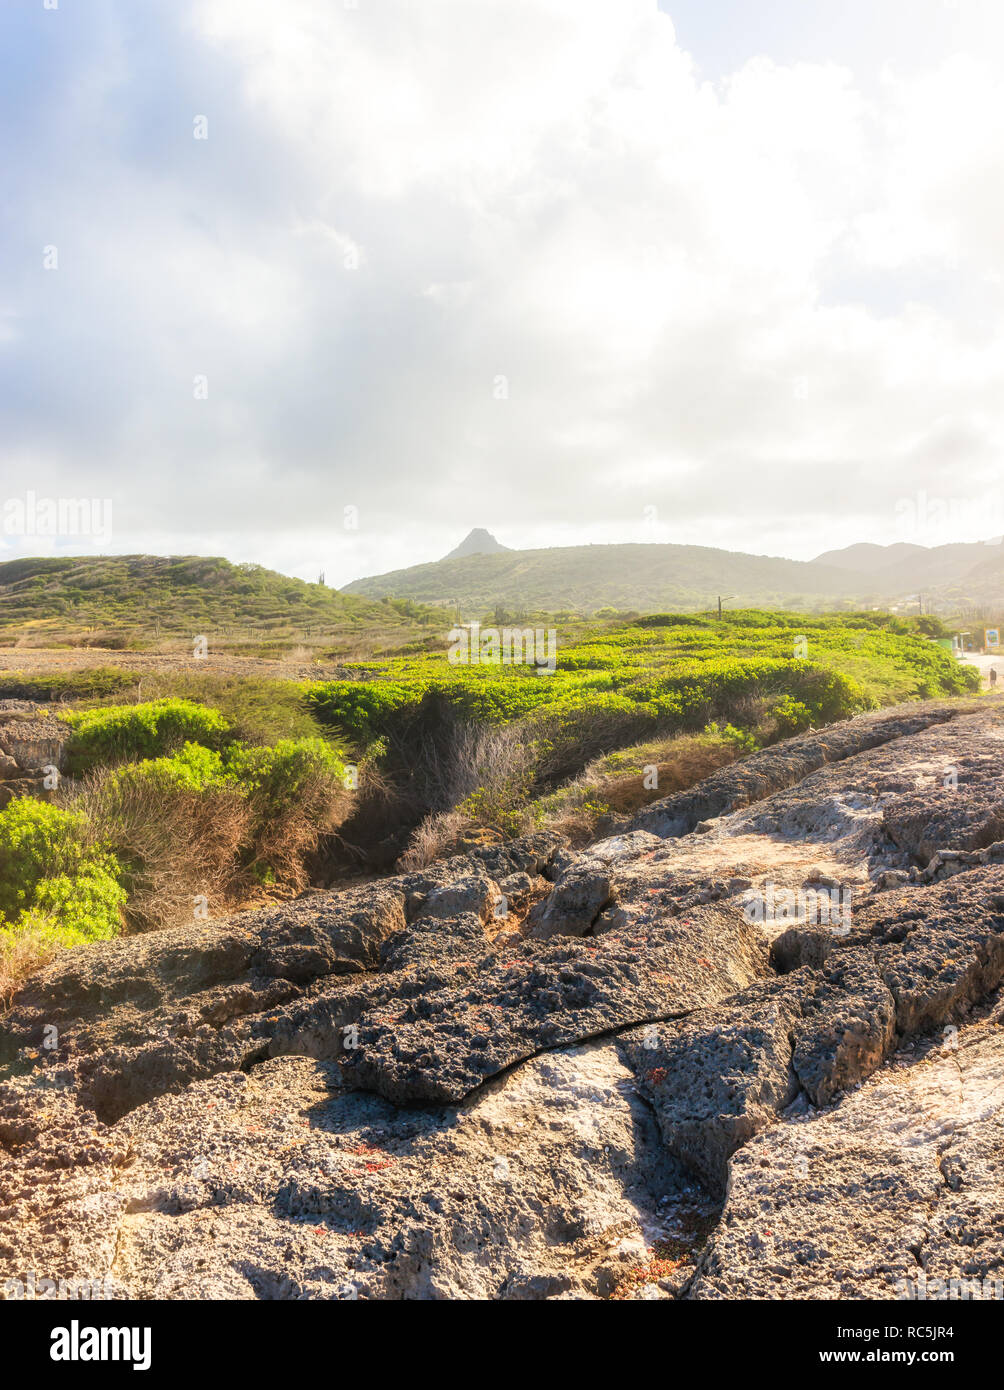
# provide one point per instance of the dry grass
(488, 759)
(176, 847)
(183, 849)
(443, 783)
(23, 950)
(284, 839)
(484, 780)
(688, 764)
(437, 837)
(489, 778)
(568, 745)
(594, 802)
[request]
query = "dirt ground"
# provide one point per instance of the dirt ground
(39, 660)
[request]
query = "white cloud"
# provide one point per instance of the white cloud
(767, 307)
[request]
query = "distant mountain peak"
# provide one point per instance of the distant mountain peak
(476, 542)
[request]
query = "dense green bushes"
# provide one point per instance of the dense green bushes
(685, 695)
(768, 675)
(53, 873)
(221, 785)
(278, 776)
(192, 768)
(122, 732)
(667, 672)
(363, 710)
(258, 710)
(138, 842)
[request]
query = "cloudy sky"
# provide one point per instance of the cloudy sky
(726, 272)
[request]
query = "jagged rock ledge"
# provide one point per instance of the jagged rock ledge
(529, 1074)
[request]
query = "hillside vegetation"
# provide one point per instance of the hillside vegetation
(949, 579)
(584, 578)
(491, 745)
(141, 602)
(214, 789)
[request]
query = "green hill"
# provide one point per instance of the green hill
(649, 578)
(584, 578)
(137, 600)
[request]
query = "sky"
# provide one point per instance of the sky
(324, 285)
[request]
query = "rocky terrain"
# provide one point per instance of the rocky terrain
(748, 1048)
(31, 749)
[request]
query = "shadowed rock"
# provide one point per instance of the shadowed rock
(938, 951)
(719, 1076)
(725, 1073)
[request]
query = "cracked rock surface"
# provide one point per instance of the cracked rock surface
(747, 1048)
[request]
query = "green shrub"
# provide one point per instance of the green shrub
(363, 710)
(258, 710)
(50, 869)
(792, 716)
(278, 777)
(118, 733)
(294, 791)
(740, 739)
(503, 807)
(193, 768)
(200, 821)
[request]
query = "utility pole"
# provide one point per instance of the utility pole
(722, 598)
